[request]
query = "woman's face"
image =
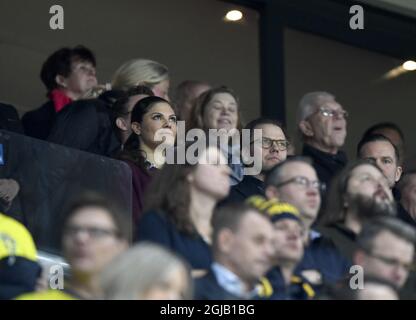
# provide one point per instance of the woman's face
(221, 112)
(161, 89)
(172, 287)
(212, 175)
(158, 125)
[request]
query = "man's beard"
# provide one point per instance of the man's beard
(367, 208)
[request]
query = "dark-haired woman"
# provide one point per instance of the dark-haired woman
(153, 121)
(179, 206)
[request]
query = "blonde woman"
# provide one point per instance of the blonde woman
(147, 272)
(143, 72)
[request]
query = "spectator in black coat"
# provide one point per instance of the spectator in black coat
(323, 124)
(68, 75)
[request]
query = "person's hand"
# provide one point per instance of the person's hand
(9, 189)
(96, 91)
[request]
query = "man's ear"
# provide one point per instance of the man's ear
(272, 192)
(136, 127)
(225, 241)
(121, 124)
(359, 257)
(306, 128)
(399, 171)
(60, 80)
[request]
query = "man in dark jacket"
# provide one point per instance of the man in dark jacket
(242, 248)
(323, 124)
(270, 150)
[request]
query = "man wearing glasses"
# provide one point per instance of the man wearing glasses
(322, 123)
(385, 250)
(295, 181)
(271, 150)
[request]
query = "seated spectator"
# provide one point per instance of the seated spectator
(89, 125)
(385, 154)
(122, 109)
(179, 204)
(288, 250)
(94, 232)
(153, 121)
(295, 181)
(19, 270)
(143, 72)
(146, 272)
(69, 75)
(242, 250)
(392, 132)
(219, 109)
(9, 119)
(186, 95)
(386, 250)
(359, 193)
(323, 124)
(272, 149)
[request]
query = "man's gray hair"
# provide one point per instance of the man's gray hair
(310, 102)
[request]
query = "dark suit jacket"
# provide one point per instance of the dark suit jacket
(9, 119)
(38, 123)
(207, 288)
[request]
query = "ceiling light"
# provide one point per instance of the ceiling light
(409, 65)
(234, 15)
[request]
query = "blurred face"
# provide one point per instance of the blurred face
(81, 79)
(391, 258)
(161, 89)
(369, 182)
(373, 291)
(327, 127)
(250, 248)
(306, 198)
(172, 287)
(272, 152)
(288, 242)
(90, 240)
(158, 124)
(192, 94)
(382, 153)
(221, 112)
(212, 175)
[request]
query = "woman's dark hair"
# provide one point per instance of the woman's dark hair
(199, 109)
(92, 199)
(59, 63)
(170, 192)
(131, 149)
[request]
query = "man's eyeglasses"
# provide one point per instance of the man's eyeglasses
(326, 112)
(391, 261)
(267, 143)
(94, 233)
(304, 182)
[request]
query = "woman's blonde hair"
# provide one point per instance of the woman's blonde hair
(139, 72)
(131, 275)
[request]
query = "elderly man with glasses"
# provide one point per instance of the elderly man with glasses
(322, 123)
(270, 150)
